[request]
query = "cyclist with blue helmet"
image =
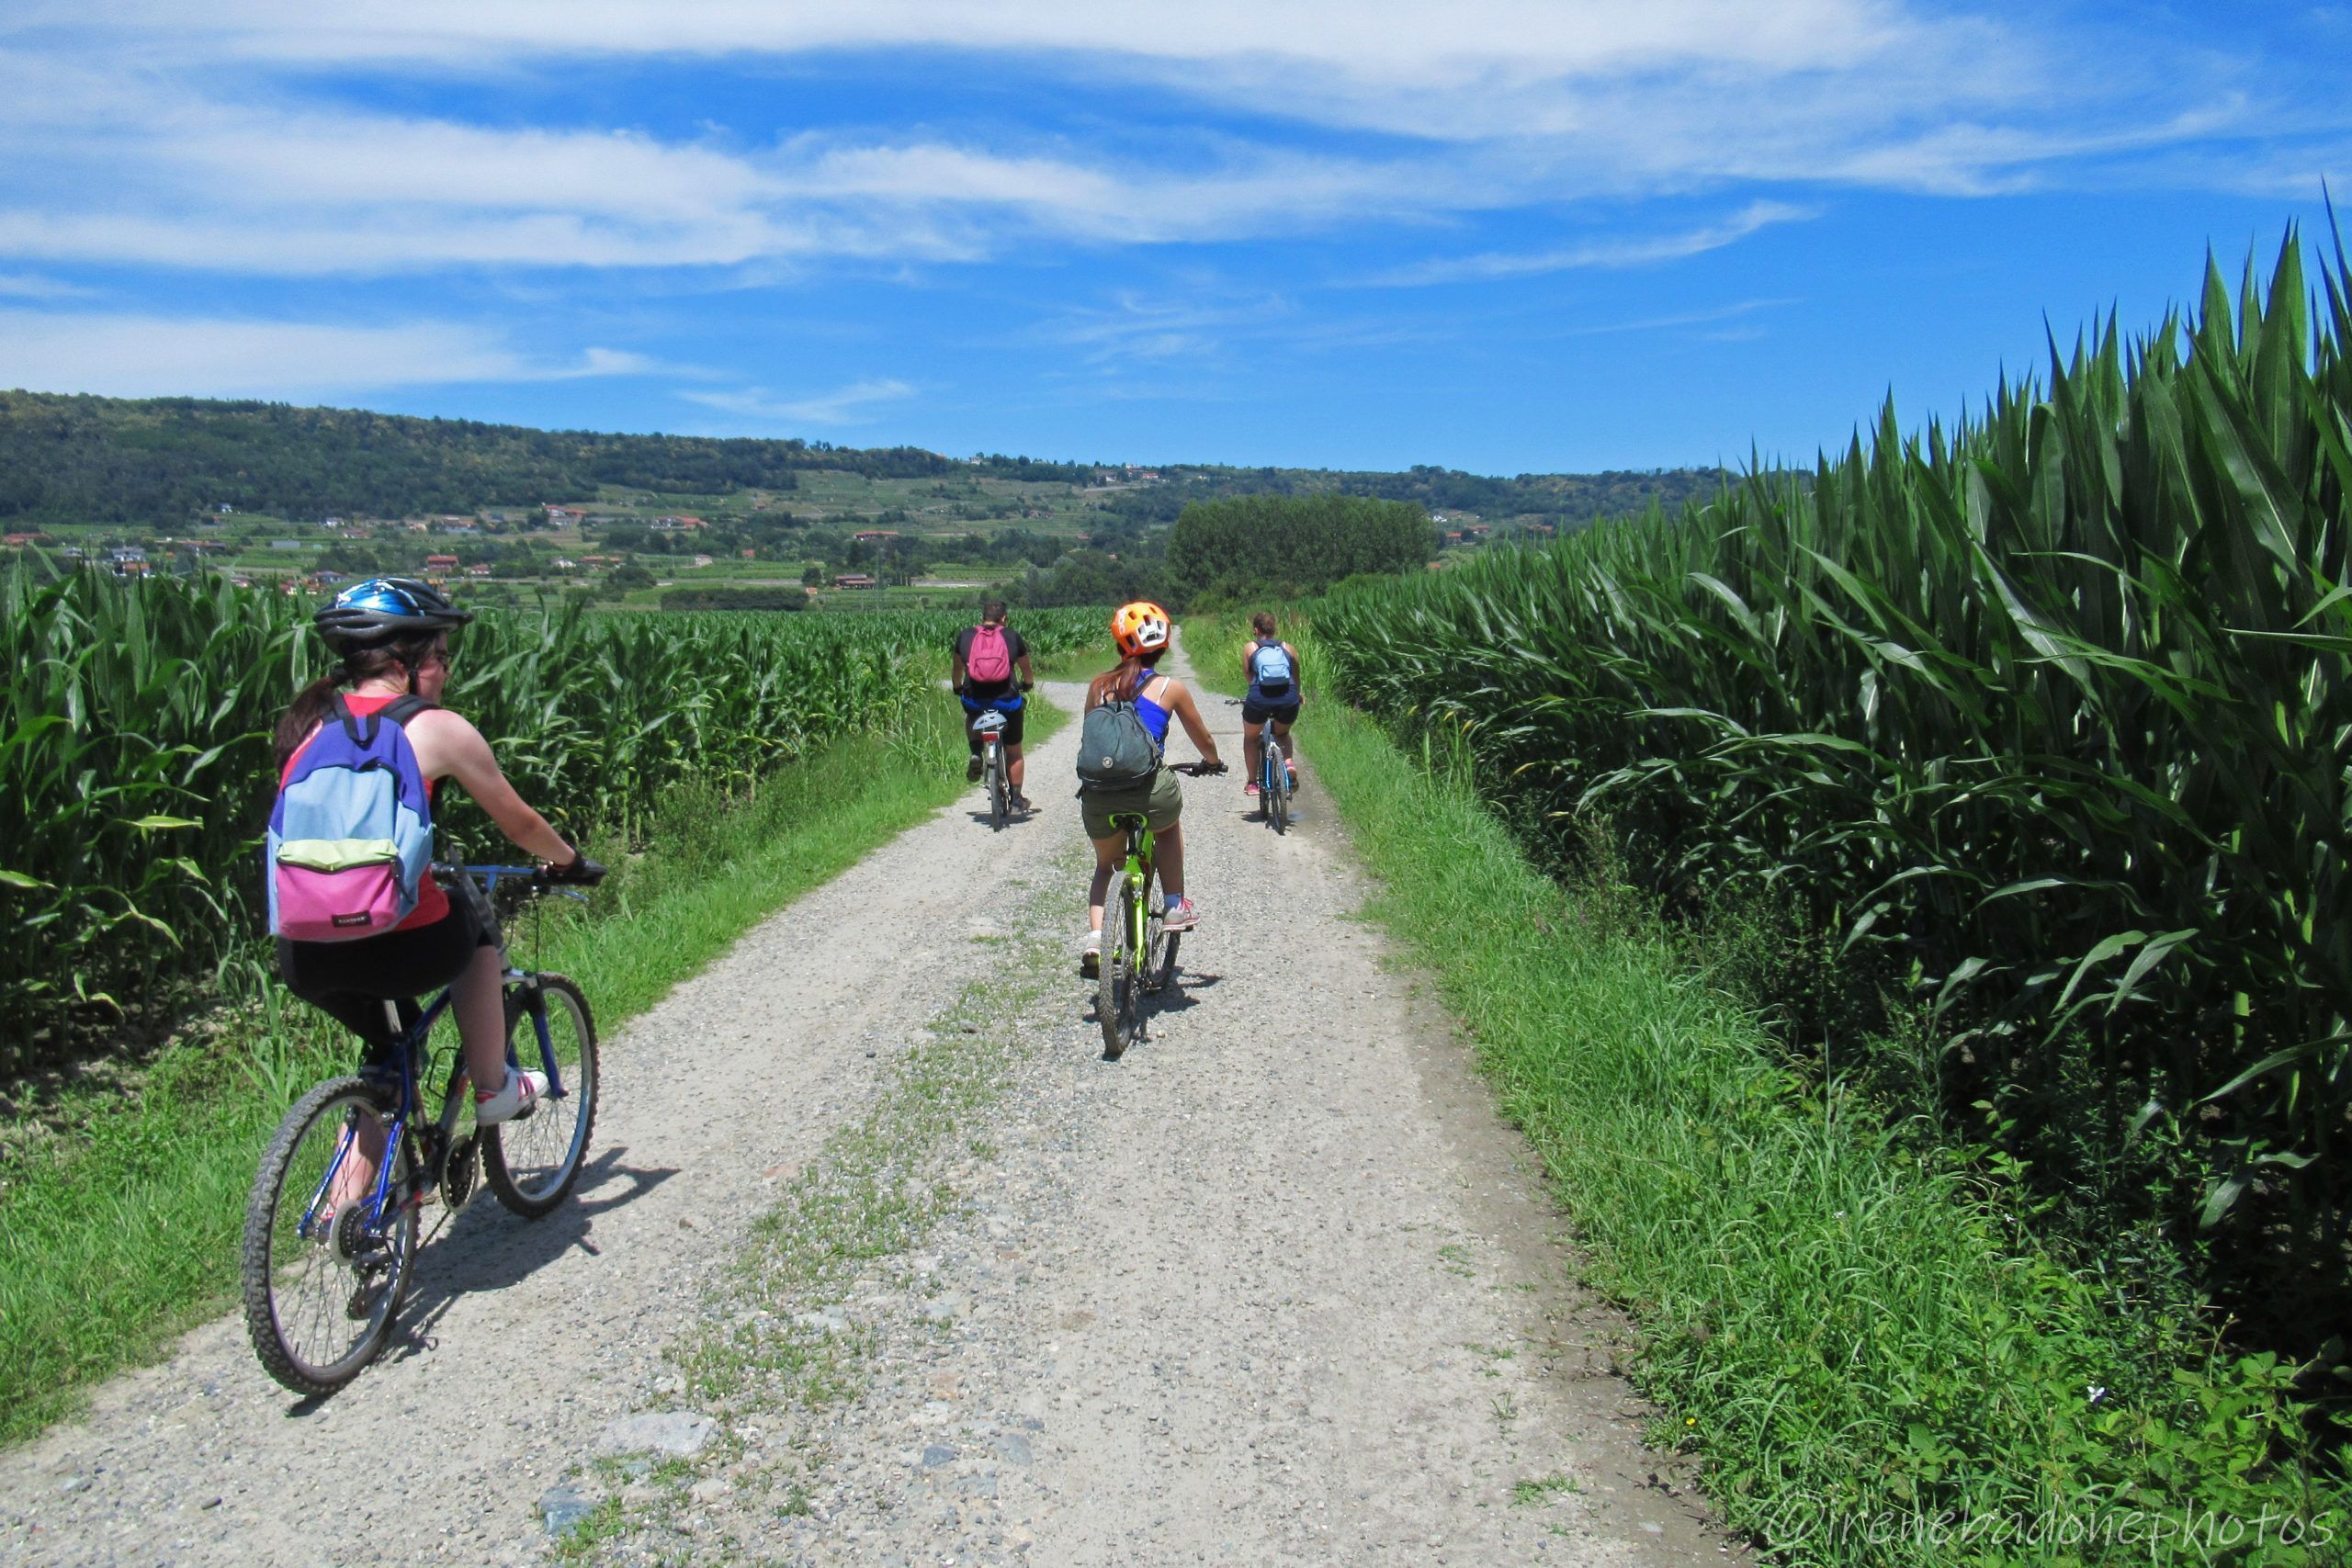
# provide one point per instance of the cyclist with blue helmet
(392, 636)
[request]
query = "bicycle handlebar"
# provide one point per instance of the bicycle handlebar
(1196, 770)
(541, 878)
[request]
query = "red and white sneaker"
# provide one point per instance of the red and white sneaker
(1182, 918)
(1250, 790)
(519, 1096)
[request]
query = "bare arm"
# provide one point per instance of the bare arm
(1028, 675)
(1180, 703)
(459, 751)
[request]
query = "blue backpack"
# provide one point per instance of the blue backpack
(1269, 668)
(351, 836)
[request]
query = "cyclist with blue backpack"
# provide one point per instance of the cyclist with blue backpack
(1121, 745)
(1272, 668)
(359, 919)
(982, 669)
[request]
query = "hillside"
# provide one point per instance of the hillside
(161, 462)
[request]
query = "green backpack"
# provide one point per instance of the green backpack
(1114, 751)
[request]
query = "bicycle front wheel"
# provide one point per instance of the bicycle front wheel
(1118, 997)
(532, 1161)
(323, 1277)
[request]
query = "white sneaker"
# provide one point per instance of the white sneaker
(1090, 956)
(518, 1097)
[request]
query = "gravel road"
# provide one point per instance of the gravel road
(1277, 1286)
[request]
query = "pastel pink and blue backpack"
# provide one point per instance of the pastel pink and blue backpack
(351, 836)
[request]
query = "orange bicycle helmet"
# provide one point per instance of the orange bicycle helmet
(1139, 627)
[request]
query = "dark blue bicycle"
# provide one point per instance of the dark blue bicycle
(328, 1243)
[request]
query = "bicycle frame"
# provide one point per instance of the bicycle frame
(989, 726)
(1137, 870)
(410, 1051)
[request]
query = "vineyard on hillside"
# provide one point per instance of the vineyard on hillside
(135, 765)
(2043, 725)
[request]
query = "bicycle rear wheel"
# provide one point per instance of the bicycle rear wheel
(320, 1283)
(1277, 787)
(532, 1161)
(1118, 996)
(1000, 806)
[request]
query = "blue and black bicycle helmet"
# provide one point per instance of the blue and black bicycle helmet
(383, 608)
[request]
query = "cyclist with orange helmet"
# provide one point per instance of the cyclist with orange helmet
(1144, 632)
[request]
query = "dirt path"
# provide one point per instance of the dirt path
(1272, 1288)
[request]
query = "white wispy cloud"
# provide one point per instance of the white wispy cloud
(31, 286)
(847, 404)
(1135, 327)
(1617, 252)
(119, 142)
(134, 355)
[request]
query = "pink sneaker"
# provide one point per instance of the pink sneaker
(1182, 918)
(1251, 789)
(519, 1096)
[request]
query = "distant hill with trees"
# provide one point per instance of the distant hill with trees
(86, 459)
(160, 461)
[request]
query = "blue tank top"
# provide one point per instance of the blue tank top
(1154, 716)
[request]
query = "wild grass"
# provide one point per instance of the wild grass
(122, 1231)
(1875, 1359)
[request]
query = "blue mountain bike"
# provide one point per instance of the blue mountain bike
(331, 1228)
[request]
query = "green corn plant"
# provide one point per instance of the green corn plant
(2044, 717)
(136, 764)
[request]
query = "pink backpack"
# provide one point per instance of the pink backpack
(990, 661)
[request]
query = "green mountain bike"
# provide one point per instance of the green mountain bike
(1138, 952)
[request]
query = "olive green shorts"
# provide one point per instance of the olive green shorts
(1162, 802)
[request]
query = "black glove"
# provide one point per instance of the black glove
(582, 873)
(1028, 686)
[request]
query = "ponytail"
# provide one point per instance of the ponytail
(305, 713)
(314, 702)
(1126, 678)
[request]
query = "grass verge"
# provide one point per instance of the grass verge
(122, 1234)
(1874, 1358)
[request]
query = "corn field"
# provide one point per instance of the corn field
(136, 768)
(2043, 719)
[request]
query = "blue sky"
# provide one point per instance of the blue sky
(1503, 235)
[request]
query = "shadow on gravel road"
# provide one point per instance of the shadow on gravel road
(1157, 1004)
(488, 1250)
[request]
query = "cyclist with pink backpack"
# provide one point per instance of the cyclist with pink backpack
(989, 669)
(359, 919)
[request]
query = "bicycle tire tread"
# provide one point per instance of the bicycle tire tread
(493, 1152)
(254, 1261)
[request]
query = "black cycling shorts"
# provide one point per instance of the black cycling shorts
(1282, 711)
(1008, 701)
(351, 981)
